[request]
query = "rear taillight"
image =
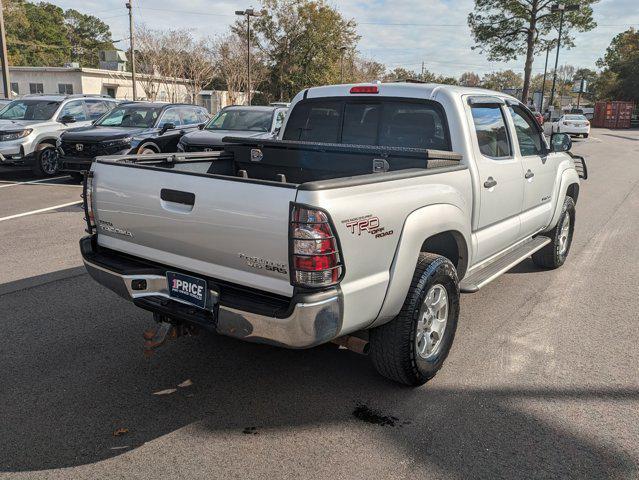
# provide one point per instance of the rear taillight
(87, 196)
(316, 260)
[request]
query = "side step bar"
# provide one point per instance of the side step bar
(489, 272)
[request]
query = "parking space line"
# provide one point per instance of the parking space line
(32, 212)
(39, 181)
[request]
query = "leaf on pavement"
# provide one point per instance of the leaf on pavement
(120, 431)
(185, 383)
(168, 391)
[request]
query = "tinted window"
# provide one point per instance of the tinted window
(315, 122)
(74, 109)
(29, 110)
(202, 116)
(528, 136)
(36, 88)
(360, 123)
(416, 125)
(380, 122)
(491, 131)
(172, 115)
(96, 108)
(239, 119)
(131, 116)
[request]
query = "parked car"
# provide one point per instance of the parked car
(237, 121)
(360, 224)
(31, 125)
(572, 124)
(4, 102)
(132, 127)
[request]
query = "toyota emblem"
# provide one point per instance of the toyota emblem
(79, 147)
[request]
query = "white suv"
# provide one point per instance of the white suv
(31, 125)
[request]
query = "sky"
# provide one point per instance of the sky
(399, 33)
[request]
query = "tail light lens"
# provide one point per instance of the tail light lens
(316, 260)
(87, 196)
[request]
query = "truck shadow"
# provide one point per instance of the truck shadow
(73, 373)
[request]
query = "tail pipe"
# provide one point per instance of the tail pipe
(355, 344)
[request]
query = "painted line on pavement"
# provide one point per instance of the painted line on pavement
(10, 217)
(38, 181)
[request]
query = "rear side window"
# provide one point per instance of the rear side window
(385, 122)
(491, 131)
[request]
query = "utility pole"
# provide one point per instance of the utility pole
(543, 85)
(129, 6)
(559, 8)
(6, 83)
(422, 71)
(248, 13)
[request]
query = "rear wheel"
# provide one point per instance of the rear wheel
(46, 161)
(555, 253)
(412, 347)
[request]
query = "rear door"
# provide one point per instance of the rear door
(539, 167)
(500, 178)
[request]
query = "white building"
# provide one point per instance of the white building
(116, 84)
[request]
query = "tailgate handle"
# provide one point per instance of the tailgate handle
(176, 196)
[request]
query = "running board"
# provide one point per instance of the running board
(495, 268)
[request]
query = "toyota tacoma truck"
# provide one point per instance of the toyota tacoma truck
(360, 224)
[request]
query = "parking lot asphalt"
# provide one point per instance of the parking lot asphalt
(542, 380)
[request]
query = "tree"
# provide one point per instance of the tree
(502, 80)
(619, 79)
(469, 79)
(87, 35)
(506, 29)
(301, 41)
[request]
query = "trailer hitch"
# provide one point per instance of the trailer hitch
(165, 330)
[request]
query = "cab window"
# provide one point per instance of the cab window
(172, 115)
(528, 135)
(97, 108)
(189, 116)
(490, 128)
(74, 109)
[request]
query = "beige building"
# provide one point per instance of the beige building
(116, 84)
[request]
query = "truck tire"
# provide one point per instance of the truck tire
(412, 347)
(554, 254)
(46, 161)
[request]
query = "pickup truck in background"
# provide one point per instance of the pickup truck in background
(360, 224)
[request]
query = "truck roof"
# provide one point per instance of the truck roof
(403, 89)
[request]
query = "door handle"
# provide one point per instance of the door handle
(529, 174)
(490, 182)
(176, 196)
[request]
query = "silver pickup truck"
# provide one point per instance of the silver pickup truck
(360, 224)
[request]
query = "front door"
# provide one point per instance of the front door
(539, 168)
(500, 176)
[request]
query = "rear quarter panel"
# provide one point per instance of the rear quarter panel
(370, 220)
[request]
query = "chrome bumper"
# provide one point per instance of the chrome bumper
(314, 319)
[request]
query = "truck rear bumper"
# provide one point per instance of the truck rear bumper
(310, 319)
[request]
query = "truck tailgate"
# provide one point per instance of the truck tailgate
(231, 230)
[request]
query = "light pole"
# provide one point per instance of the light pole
(342, 50)
(248, 13)
(6, 83)
(543, 85)
(559, 8)
(132, 46)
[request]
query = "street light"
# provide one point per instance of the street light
(559, 8)
(342, 50)
(248, 13)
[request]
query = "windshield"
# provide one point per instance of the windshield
(29, 110)
(242, 119)
(133, 116)
(575, 117)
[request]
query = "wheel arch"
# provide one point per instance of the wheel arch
(568, 186)
(149, 144)
(45, 142)
(443, 229)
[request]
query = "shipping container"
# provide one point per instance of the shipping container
(613, 114)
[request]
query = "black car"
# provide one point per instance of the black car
(130, 128)
(254, 122)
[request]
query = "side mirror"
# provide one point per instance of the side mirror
(201, 126)
(67, 119)
(276, 132)
(166, 127)
(560, 142)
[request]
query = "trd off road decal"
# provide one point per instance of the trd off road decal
(366, 224)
